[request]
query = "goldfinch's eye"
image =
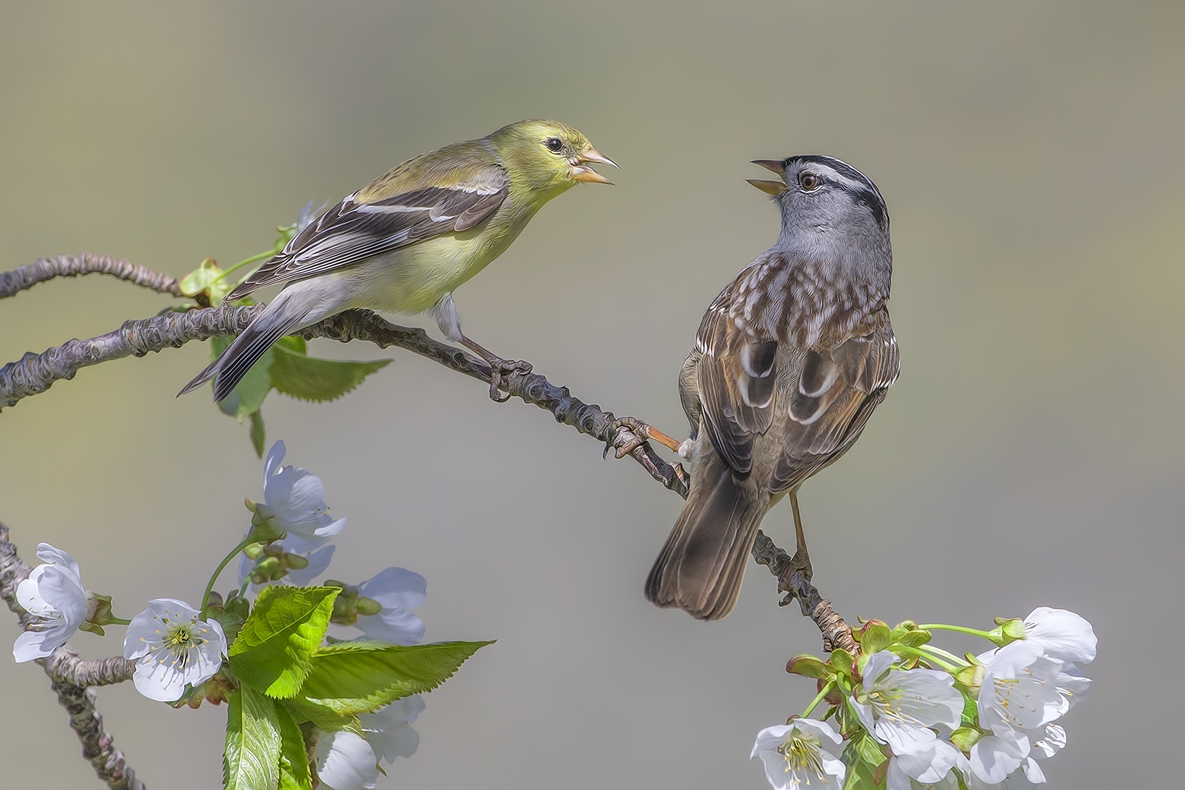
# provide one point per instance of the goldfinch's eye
(554, 144)
(808, 181)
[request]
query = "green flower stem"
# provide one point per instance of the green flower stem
(112, 620)
(938, 651)
(913, 651)
(958, 628)
(815, 702)
(246, 261)
(247, 541)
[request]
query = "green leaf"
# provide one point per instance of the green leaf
(862, 756)
(252, 757)
(313, 379)
(361, 677)
(874, 637)
(810, 667)
(258, 433)
(914, 638)
(842, 661)
(275, 647)
(294, 756)
(324, 718)
(249, 394)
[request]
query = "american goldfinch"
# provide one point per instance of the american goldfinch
(407, 240)
(789, 362)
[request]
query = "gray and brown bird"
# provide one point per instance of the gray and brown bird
(789, 362)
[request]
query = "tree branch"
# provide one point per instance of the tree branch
(34, 373)
(26, 277)
(70, 677)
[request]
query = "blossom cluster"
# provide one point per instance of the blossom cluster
(908, 714)
(180, 651)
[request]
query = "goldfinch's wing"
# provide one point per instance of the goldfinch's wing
(836, 391)
(424, 197)
(736, 374)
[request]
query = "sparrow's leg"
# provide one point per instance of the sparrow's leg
(801, 561)
(445, 313)
(499, 368)
(639, 433)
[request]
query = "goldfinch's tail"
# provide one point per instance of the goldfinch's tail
(280, 318)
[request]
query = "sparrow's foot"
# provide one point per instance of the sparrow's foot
(800, 563)
(501, 369)
(632, 433)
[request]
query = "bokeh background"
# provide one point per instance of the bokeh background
(1031, 453)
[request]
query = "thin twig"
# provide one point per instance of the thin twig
(70, 677)
(26, 277)
(34, 373)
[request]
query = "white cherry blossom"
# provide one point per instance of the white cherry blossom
(54, 595)
(900, 706)
(172, 648)
(296, 497)
(800, 754)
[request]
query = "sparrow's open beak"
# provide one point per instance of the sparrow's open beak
(582, 172)
(770, 187)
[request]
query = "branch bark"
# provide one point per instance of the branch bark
(26, 277)
(70, 678)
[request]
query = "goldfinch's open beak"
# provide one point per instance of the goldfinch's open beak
(582, 172)
(770, 187)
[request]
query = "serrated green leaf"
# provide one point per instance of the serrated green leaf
(361, 677)
(230, 622)
(275, 647)
(324, 718)
(294, 756)
(258, 432)
(252, 757)
(313, 379)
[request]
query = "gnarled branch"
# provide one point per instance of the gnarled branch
(26, 277)
(70, 678)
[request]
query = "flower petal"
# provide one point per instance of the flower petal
(346, 762)
(1062, 634)
(61, 560)
(878, 663)
(993, 757)
(396, 587)
(32, 645)
(394, 626)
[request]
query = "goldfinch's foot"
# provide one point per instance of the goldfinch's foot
(632, 433)
(502, 369)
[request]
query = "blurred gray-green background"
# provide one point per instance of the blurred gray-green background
(1031, 453)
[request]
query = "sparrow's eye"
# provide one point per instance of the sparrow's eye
(808, 181)
(554, 144)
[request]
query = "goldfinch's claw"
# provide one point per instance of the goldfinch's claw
(502, 369)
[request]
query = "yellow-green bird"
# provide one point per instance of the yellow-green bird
(408, 239)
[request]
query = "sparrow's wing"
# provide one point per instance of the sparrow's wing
(836, 391)
(365, 224)
(736, 376)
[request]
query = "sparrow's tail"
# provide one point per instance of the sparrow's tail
(701, 567)
(281, 317)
